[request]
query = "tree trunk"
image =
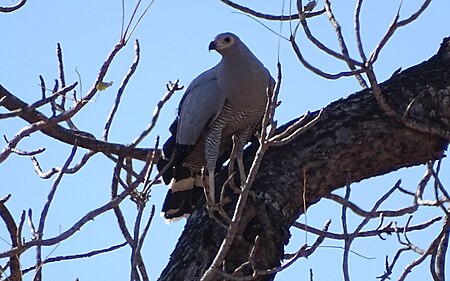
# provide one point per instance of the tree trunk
(353, 140)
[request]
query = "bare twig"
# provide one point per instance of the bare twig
(324, 48)
(125, 36)
(441, 254)
(318, 71)
(55, 170)
(357, 210)
(433, 246)
(45, 210)
(77, 256)
(62, 77)
(40, 125)
(294, 130)
(347, 242)
(359, 43)
(71, 231)
(39, 103)
(14, 259)
(393, 27)
(134, 246)
(121, 90)
(171, 89)
(28, 153)
(389, 229)
(254, 13)
(341, 41)
(303, 252)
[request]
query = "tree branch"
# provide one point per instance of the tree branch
(56, 131)
(352, 141)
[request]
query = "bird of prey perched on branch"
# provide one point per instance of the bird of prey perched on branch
(223, 106)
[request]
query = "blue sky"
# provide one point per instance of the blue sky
(174, 38)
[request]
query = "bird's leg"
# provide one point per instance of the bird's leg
(242, 174)
(239, 141)
(231, 171)
(240, 162)
(212, 186)
(212, 145)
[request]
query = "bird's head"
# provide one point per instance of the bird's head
(224, 42)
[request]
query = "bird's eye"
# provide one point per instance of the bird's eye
(227, 39)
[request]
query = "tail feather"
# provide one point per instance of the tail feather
(180, 204)
(185, 190)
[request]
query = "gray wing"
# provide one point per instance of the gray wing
(200, 104)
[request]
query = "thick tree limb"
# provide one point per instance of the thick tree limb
(352, 141)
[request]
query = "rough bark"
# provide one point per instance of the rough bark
(354, 140)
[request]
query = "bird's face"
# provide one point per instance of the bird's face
(223, 42)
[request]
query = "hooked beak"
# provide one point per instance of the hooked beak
(212, 46)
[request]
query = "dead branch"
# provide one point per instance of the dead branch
(359, 44)
(25, 109)
(254, 13)
(64, 135)
(77, 256)
(393, 27)
(318, 71)
(55, 170)
(433, 246)
(342, 44)
(171, 89)
(14, 259)
(121, 90)
(69, 232)
(388, 229)
(40, 230)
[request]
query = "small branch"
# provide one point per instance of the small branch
(134, 245)
(23, 110)
(324, 48)
(359, 43)
(254, 13)
(393, 27)
(293, 131)
(72, 230)
(121, 90)
(306, 253)
(341, 41)
(303, 252)
(374, 214)
(434, 244)
(140, 242)
(42, 84)
(318, 71)
(77, 256)
(55, 170)
(138, 20)
(62, 78)
(54, 130)
(347, 242)
(441, 253)
(171, 89)
(28, 153)
(14, 261)
(374, 56)
(45, 210)
(370, 233)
